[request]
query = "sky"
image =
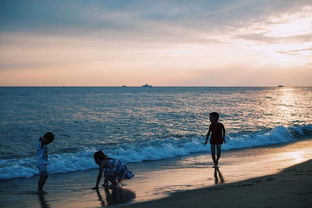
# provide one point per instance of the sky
(159, 42)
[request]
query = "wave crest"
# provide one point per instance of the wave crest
(155, 149)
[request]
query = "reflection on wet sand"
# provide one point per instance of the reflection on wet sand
(115, 196)
(218, 176)
(42, 201)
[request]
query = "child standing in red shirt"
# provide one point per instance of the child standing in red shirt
(217, 131)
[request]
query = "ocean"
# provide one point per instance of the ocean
(136, 124)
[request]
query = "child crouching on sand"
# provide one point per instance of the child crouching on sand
(217, 131)
(114, 170)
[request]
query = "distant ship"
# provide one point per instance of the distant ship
(146, 85)
(280, 85)
(124, 86)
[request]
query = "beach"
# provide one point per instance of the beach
(94, 90)
(270, 176)
(292, 187)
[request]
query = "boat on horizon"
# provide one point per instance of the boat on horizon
(147, 85)
(280, 85)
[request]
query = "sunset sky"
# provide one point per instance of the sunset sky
(160, 42)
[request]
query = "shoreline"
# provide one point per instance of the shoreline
(277, 145)
(156, 180)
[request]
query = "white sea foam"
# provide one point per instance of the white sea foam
(149, 150)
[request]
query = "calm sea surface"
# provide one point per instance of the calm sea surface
(137, 124)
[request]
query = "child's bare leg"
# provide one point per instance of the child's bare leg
(218, 153)
(213, 153)
(39, 188)
(43, 173)
(41, 183)
(216, 176)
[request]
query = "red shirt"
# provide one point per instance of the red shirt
(216, 133)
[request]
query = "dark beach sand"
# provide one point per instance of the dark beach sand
(278, 176)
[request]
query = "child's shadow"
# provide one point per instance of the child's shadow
(218, 176)
(115, 196)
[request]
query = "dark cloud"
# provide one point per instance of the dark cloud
(60, 16)
(138, 16)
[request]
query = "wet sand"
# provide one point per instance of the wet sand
(291, 188)
(245, 176)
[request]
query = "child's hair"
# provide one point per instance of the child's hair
(215, 114)
(49, 136)
(100, 156)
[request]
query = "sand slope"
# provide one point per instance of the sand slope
(292, 187)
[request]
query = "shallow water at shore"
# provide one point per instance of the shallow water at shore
(155, 179)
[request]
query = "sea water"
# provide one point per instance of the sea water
(136, 124)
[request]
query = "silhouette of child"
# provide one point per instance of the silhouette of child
(114, 170)
(217, 131)
(42, 159)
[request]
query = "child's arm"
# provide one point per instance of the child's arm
(207, 136)
(98, 178)
(223, 133)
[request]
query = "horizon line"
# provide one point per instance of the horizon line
(141, 86)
